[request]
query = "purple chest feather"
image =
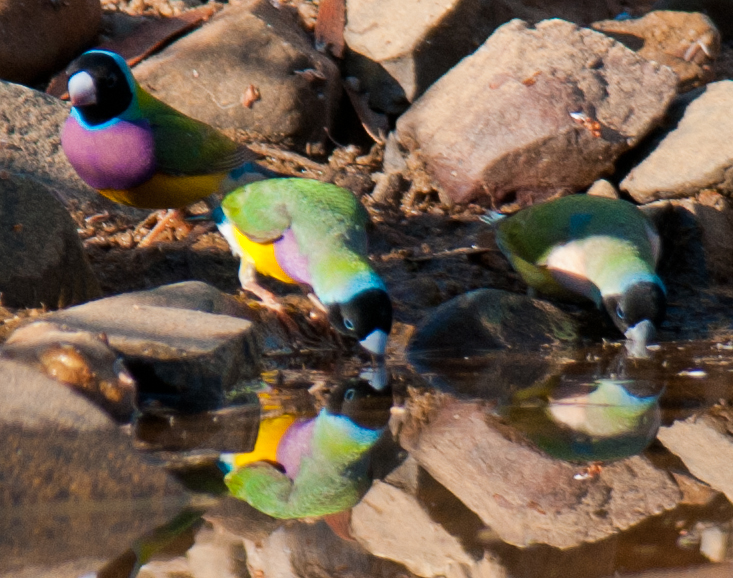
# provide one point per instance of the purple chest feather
(295, 444)
(291, 260)
(120, 156)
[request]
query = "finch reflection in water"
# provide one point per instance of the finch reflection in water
(316, 466)
(601, 420)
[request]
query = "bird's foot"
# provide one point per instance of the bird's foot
(269, 301)
(166, 219)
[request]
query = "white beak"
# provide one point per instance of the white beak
(82, 90)
(375, 342)
(639, 336)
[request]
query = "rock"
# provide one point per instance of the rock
(499, 122)
(378, 523)
(30, 146)
(71, 487)
(527, 497)
(186, 358)
(696, 155)
(487, 319)
(40, 37)
(313, 550)
(713, 215)
(73, 569)
(78, 359)
(298, 86)
(686, 42)
(602, 188)
(717, 10)
(217, 553)
(43, 262)
(478, 343)
(705, 445)
(396, 58)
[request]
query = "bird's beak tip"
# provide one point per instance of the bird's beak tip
(639, 336)
(82, 91)
(375, 342)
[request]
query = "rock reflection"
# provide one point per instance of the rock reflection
(315, 466)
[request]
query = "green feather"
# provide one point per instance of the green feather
(328, 223)
(615, 237)
(331, 479)
(183, 145)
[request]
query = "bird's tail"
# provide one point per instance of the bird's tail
(249, 172)
(492, 218)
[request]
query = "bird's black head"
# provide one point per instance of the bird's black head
(361, 403)
(367, 316)
(643, 300)
(99, 87)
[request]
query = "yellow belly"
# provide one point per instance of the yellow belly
(268, 437)
(262, 256)
(167, 191)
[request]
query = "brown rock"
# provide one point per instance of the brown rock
(398, 57)
(527, 497)
(40, 36)
(250, 43)
(713, 214)
(313, 550)
(79, 359)
(705, 446)
(378, 523)
(696, 155)
(30, 146)
(687, 42)
(71, 485)
(43, 262)
(500, 122)
(189, 357)
(602, 188)
(217, 553)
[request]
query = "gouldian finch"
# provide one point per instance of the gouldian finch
(136, 150)
(603, 249)
(321, 463)
(312, 233)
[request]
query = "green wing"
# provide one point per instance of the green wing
(530, 234)
(318, 490)
(319, 213)
(185, 146)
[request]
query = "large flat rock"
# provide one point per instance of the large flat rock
(697, 155)
(525, 496)
(186, 356)
(500, 121)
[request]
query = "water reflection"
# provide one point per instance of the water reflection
(313, 466)
(581, 420)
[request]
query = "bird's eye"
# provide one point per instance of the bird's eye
(619, 312)
(349, 324)
(349, 395)
(111, 80)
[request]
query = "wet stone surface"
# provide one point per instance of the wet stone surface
(522, 439)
